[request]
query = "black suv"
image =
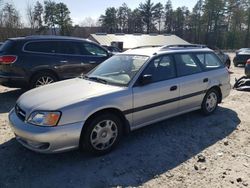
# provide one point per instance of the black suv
(32, 61)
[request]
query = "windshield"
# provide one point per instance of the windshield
(118, 70)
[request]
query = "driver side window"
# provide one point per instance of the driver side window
(161, 68)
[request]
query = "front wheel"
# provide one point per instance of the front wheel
(42, 79)
(101, 134)
(210, 102)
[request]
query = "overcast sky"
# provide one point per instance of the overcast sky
(81, 9)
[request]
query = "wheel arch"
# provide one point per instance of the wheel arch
(217, 88)
(43, 71)
(117, 112)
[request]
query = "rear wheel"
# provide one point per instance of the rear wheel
(210, 102)
(42, 79)
(101, 134)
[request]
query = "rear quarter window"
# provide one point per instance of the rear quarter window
(209, 61)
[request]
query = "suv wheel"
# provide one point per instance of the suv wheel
(42, 79)
(210, 102)
(102, 134)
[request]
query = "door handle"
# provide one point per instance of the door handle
(205, 80)
(63, 61)
(173, 88)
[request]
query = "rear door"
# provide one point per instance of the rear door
(159, 99)
(193, 81)
(77, 59)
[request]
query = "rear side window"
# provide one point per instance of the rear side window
(209, 61)
(187, 64)
(68, 47)
(91, 49)
(42, 46)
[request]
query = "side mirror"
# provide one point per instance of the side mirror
(145, 79)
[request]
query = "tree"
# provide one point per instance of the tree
(88, 22)
(213, 15)
(169, 17)
(196, 21)
(11, 18)
(158, 13)
(178, 22)
(123, 14)
(147, 10)
(135, 22)
(30, 16)
(38, 14)
(50, 13)
(109, 20)
(63, 20)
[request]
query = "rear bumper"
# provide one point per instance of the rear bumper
(247, 70)
(46, 139)
(225, 90)
(13, 81)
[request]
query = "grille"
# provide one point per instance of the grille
(20, 113)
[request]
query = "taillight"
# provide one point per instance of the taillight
(7, 59)
(248, 61)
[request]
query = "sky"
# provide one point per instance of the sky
(80, 9)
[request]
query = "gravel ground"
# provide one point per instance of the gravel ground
(189, 151)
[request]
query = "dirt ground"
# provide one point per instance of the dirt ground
(188, 151)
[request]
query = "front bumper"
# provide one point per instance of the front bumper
(46, 139)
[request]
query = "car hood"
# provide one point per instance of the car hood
(61, 94)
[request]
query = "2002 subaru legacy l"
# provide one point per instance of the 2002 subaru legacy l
(128, 91)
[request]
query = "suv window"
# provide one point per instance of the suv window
(161, 68)
(42, 46)
(91, 49)
(209, 61)
(187, 64)
(69, 47)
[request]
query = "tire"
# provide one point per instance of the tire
(101, 134)
(41, 79)
(235, 64)
(210, 102)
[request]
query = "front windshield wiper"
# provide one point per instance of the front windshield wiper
(96, 79)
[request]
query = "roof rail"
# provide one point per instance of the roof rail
(147, 46)
(183, 46)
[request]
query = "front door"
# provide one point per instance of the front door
(158, 99)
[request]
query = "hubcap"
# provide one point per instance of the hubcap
(211, 102)
(44, 80)
(104, 135)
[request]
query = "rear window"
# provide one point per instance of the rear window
(209, 61)
(42, 46)
(7, 45)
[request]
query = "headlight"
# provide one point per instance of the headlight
(44, 118)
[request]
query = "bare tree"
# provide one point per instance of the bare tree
(88, 22)
(30, 16)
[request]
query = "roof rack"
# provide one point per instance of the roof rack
(183, 46)
(147, 46)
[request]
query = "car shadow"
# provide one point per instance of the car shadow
(141, 156)
(8, 99)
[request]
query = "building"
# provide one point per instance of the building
(128, 41)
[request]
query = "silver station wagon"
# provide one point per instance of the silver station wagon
(128, 91)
